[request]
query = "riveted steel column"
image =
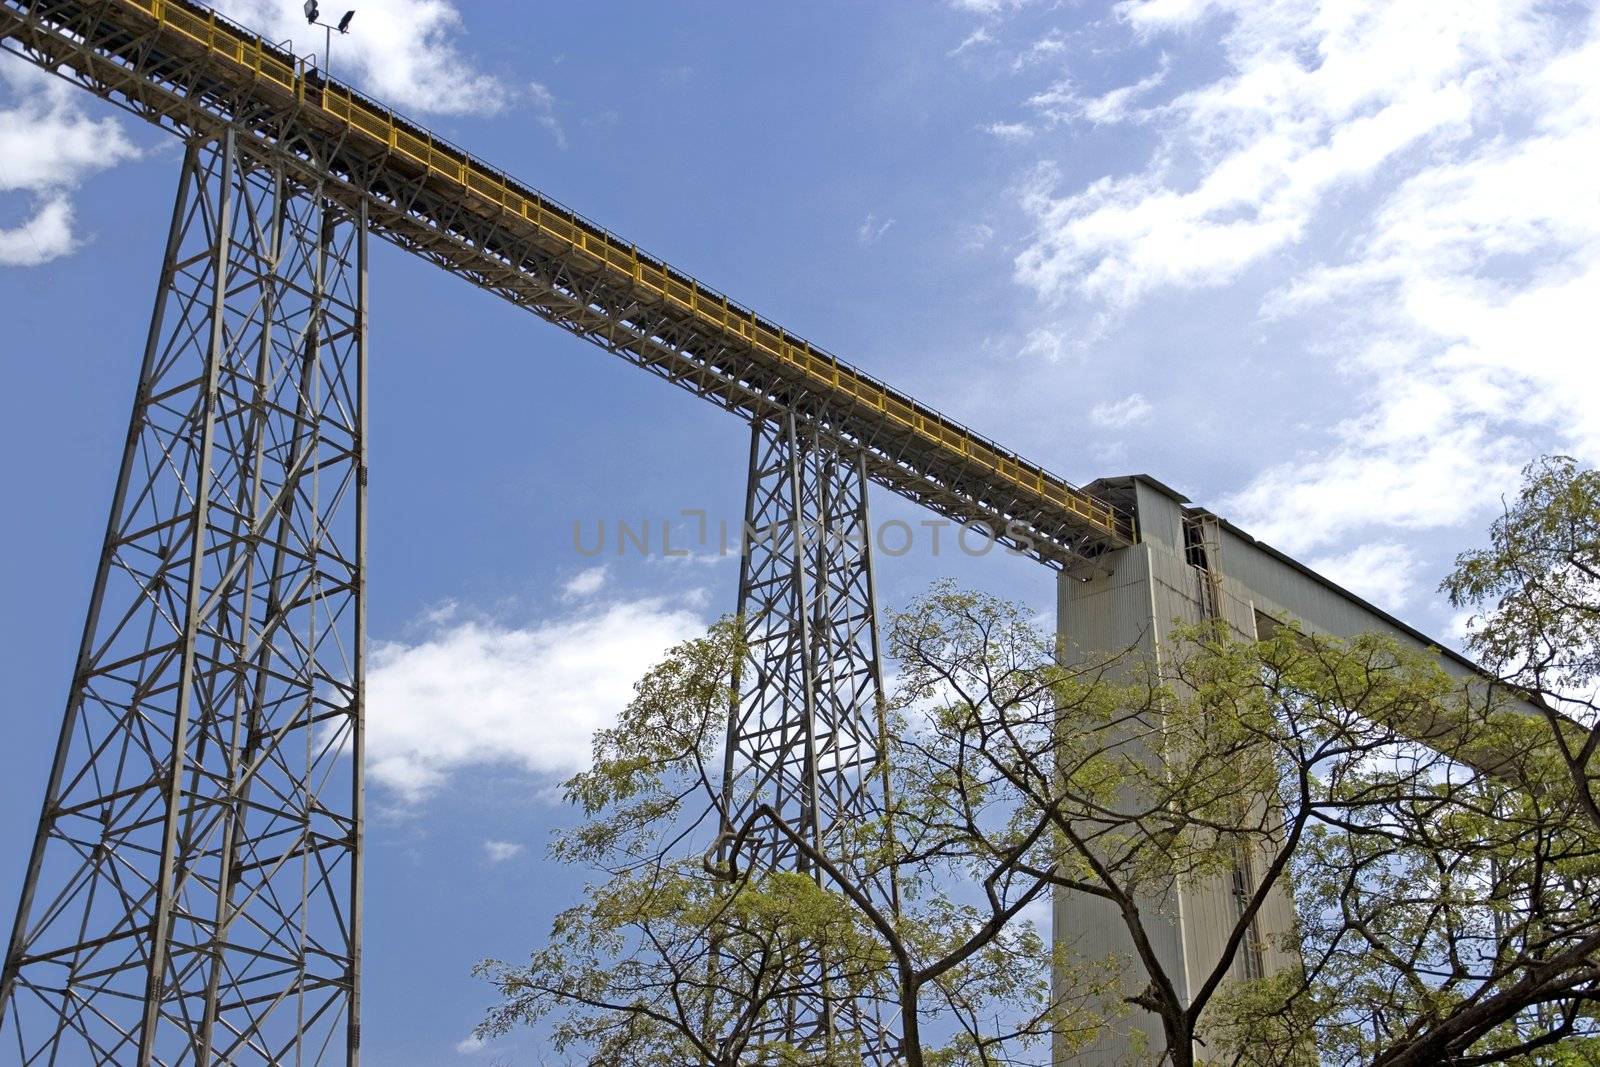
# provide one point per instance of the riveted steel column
(193, 893)
(808, 727)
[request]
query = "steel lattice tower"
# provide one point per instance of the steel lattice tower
(193, 895)
(806, 735)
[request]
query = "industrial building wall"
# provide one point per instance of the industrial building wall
(1130, 605)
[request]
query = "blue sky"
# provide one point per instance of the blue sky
(1332, 269)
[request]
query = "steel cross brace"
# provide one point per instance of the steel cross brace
(193, 892)
(806, 734)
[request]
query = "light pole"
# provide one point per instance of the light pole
(312, 14)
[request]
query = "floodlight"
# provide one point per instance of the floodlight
(344, 23)
(311, 11)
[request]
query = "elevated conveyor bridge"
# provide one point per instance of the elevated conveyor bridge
(184, 67)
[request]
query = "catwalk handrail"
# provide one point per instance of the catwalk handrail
(283, 72)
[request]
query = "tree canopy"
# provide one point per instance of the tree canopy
(1444, 904)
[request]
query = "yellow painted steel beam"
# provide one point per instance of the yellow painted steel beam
(519, 207)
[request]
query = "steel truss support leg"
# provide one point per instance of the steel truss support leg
(806, 734)
(193, 891)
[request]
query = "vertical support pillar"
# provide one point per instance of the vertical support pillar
(1128, 606)
(358, 703)
(807, 731)
(192, 896)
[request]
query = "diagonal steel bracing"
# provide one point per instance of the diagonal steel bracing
(807, 732)
(193, 891)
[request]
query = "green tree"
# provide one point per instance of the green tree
(1459, 925)
(1446, 903)
(1437, 840)
(683, 952)
(1535, 594)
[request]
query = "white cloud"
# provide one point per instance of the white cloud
(1063, 103)
(1475, 288)
(403, 51)
(979, 36)
(584, 583)
(1115, 414)
(1412, 482)
(46, 139)
(1045, 344)
(1317, 98)
(1051, 44)
(46, 236)
(1383, 573)
(500, 851)
(1009, 131)
(1460, 628)
(543, 103)
(470, 1044)
(1151, 15)
(976, 235)
(48, 145)
(1418, 180)
(871, 230)
(987, 7)
(482, 694)
(440, 613)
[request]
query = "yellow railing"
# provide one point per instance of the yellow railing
(269, 65)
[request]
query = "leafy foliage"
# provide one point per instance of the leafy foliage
(684, 954)
(1535, 592)
(1435, 845)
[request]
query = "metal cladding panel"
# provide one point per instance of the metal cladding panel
(1208, 918)
(1288, 593)
(1159, 514)
(1090, 928)
(1277, 914)
(1176, 591)
(1110, 610)
(1285, 590)
(1131, 606)
(1110, 613)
